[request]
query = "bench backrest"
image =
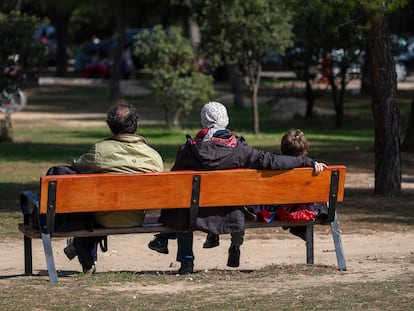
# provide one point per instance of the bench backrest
(180, 189)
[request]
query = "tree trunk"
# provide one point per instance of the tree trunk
(236, 87)
(335, 100)
(408, 143)
(167, 116)
(6, 129)
(341, 99)
(255, 107)
(114, 91)
(176, 118)
(329, 74)
(310, 100)
(254, 81)
(385, 108)
(60, 20)
(309, 92)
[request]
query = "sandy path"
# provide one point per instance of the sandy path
(373, 256)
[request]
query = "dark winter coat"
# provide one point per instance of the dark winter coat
(224, 151)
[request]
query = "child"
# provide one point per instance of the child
(294, 143)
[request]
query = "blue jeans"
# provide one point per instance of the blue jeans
(184, 243)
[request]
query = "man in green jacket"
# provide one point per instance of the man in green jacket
(123, 153)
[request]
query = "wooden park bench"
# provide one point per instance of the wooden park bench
(179, 189)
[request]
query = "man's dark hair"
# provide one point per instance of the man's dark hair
(122, 118)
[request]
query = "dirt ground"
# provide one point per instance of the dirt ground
(371, 253)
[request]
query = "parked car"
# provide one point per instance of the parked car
(94, 58)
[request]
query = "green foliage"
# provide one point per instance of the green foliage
(380, 6)
(16, 37)
(170, 59)
(239, 31)
(91, 19)
(321, 27)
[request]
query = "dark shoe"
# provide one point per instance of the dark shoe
(159, 244)
(234, 256)
(186, 267)
(212, 240)
(70, 250)
(299, 232)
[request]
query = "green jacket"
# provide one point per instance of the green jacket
(123, 154)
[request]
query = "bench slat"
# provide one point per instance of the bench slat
(155, 227)
(109, 192)
(251, 187)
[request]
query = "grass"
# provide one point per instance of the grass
(39, 145)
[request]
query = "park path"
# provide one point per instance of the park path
(369, 255)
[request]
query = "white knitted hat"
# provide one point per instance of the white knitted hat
(214, 115)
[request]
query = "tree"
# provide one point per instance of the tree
(125, 14)
(240, 33)
(19, 55)
(383, 81)
(384, 97)
(176, 81)
(305, 56)
(114, 88)
(330, 32)
(59, 13)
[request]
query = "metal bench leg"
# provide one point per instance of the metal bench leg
(28, 266)
(338, 244)
(50, 262)
(309, 245)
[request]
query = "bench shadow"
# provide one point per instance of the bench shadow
(5, 277)
(41, 273)
(170, 272)
(68, 273)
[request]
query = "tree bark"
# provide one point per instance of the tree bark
(60, 20)
(176, 118)
(6, 129)
(236, 87)
(114, 91)
(408, 143)
(335, 100)
(310, 100)
(385, 108)
(254, 81)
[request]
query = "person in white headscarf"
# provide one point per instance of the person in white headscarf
(215, 147)
(214, 118)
